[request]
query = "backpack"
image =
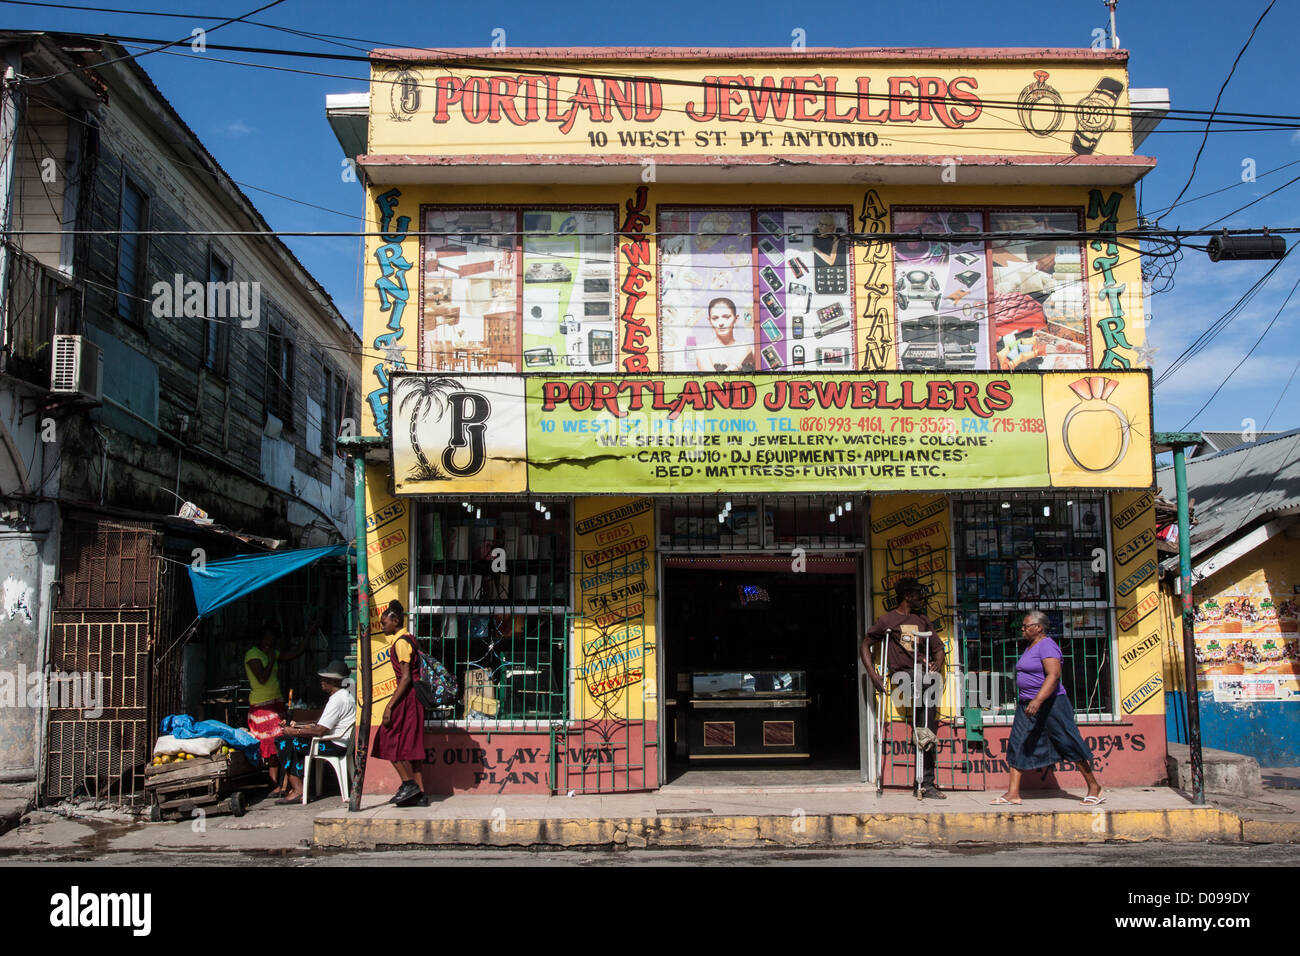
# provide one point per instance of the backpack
(435, 687)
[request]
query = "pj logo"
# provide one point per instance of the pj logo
(435, 400)
(469, 414)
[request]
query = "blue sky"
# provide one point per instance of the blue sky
(268, 128)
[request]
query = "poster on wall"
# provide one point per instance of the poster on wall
(568, 298)
(1040, 303)
(941, 292)
(805, 307)
(469, 307)
(706, 291)
(1248, 647)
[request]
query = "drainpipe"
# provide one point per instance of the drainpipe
(357, 446)
(1177, 442)
(8, 153)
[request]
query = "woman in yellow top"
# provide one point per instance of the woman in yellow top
(266, 706)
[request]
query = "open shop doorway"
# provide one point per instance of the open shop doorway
(761, 675)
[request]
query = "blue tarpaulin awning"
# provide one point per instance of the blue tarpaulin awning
(220, 582)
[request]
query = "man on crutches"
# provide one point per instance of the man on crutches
(912, 651)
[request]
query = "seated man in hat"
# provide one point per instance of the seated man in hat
(336, 721)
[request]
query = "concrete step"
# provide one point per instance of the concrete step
(1224, 772)
(780, 818)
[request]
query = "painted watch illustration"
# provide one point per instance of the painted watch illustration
(1096, 115)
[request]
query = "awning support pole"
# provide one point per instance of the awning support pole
(1189, 628)
(357, 446)
(1177, 443)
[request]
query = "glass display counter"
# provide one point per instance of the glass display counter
(748, 715)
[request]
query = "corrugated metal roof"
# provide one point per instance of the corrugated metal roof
(1239, 487)
(1226, 441)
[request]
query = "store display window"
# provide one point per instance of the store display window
(1017, 304)
(509, 290)
(1040, 300)
(492, 603)
(1044, 552)
(744, 290)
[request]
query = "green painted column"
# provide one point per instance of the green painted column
(1189, 628)
(1177, 442)
(357, 448)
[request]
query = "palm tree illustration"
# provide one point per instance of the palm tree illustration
(424, 395)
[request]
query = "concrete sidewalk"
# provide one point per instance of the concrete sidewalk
(15, 800)
(671, 818)
(845, 816)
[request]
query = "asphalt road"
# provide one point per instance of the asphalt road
(1090, 855)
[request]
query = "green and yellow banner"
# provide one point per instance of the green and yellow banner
(683, 434)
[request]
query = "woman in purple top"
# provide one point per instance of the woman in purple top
(1044, 732)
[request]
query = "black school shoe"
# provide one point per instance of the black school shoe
(416, 799)
(931, 792)
(405, 793)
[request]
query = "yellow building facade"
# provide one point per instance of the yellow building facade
(683, 359)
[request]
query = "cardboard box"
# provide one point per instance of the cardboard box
(480, 694)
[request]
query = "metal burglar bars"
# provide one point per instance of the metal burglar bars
(41, 301)
(1020, 552)
(492, 603)
(103, 625)
(780, 523)
(609, 746)
(536, 643)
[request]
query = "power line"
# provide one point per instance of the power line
(1218, 325)
(1161, 212)
(47, 104)
(855, 238)
(1245, 358)
(466, 61)
(1271, 192)
(159, 49)
(1196, 161)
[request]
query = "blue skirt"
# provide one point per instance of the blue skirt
(1046, 739)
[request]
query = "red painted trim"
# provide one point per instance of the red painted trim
(705, 159)
(482, 760)
(699, 54)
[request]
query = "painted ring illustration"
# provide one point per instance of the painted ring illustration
(1039, 102)
(1097, 407)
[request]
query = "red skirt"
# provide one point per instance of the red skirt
(404, 740)
(264, 724)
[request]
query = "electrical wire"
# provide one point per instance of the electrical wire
(159, 49)
(1289, 182)
(351, 216)
(470, 62)
(1197, 159)
(1218, 325)
(1251, 351)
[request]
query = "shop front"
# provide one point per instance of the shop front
(663, 432)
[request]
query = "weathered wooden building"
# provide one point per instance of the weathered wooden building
(151, 356)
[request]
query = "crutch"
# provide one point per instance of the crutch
(916, 743)
(882, 702)
(918, 691)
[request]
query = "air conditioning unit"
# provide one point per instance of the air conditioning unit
(78, 368)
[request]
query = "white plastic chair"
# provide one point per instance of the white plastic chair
(342, 765)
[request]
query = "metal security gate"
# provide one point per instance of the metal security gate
(100, 729)
(610, 745)
(99, 742)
